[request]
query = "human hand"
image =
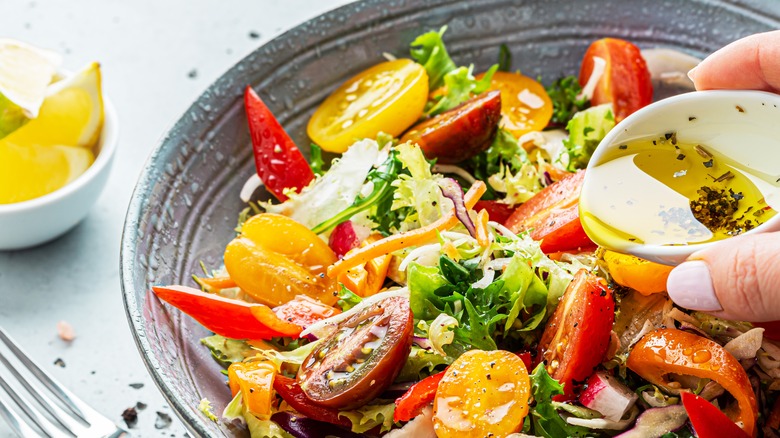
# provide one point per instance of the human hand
(738, 278)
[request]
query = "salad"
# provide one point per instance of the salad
(426, 274)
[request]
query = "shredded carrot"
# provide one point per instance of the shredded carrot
(483, 238)
(397, 242)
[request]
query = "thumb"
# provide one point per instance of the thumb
(737, 279)
(751, 63)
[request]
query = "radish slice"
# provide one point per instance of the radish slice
(656, 422)
(346, 236)
(608, 396)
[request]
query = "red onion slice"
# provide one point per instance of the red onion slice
(452, 191)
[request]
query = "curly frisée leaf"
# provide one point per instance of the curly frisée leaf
(586, 129)
(227, 351)
(421, 364)
(370, 416)
(545, 418)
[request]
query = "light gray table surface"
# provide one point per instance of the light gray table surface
(157, 57)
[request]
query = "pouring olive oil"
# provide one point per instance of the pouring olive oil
(658, 191)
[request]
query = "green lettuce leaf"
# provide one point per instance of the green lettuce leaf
(545, 418)
(460, 85)
(293, 357)
(367, 417)
(264, 428)
(227, 351)
(421, 364)
(347, 299)
(586, 129)
(507, 168)
(428, 49)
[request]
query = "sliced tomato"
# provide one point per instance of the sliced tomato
(577, 336)
(525, 105)
(290, 391)
(304, 311)
(361, 358)
(626, 79)
(229, 318)
(527, 359)
(420, 395)
(461, 132)
(497, 211)
(707, 420)
(482, 394)
(388, 97)
(280, 165)
(553, 217)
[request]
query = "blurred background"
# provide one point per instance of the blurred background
(157, 57)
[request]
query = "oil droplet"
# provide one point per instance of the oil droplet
(688, 351)
(702, 356)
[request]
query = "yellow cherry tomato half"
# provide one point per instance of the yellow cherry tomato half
(276, 258)
(525, 105)
(483, 393)
(641, 275)
(388, 97)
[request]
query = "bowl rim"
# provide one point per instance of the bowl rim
(109, 139)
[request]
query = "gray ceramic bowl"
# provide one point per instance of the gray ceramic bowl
(185, 204)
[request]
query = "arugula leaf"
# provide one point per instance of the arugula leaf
(545, 418)
(316, 163)
(564, 94)
(382, 178)
(504, 58)
(428, 49)
(504, 152)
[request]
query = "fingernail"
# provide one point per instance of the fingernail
(690, 286)
(692, 74)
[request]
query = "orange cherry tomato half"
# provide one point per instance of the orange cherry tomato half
(577, 336)
(641, 275)
(255, 380)
(525, 105)
(361, 358)
(670, 351)
(483, 393)
(276, 258)
(626, 79)
(388, 97)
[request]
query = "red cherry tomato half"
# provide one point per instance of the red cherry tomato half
(361, 358)
(626, 79)
(577, 336)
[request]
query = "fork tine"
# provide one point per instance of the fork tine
(17, 424)
(69, 399)
(46, 426)
(58, 414)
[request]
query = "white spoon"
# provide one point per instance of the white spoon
(743, 127)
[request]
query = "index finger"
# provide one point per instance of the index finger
(751, 63)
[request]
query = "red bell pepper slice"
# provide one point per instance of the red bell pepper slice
(291, 392)
(497, 211)
(707, 420)
(553, 217)
(280, 165)
(416, 398)
(229, 318)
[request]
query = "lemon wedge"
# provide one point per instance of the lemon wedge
(71, 114)
(25, 74)
(28, 172)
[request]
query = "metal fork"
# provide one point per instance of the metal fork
(55, 422)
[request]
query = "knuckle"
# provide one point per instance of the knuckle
(743, 282)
